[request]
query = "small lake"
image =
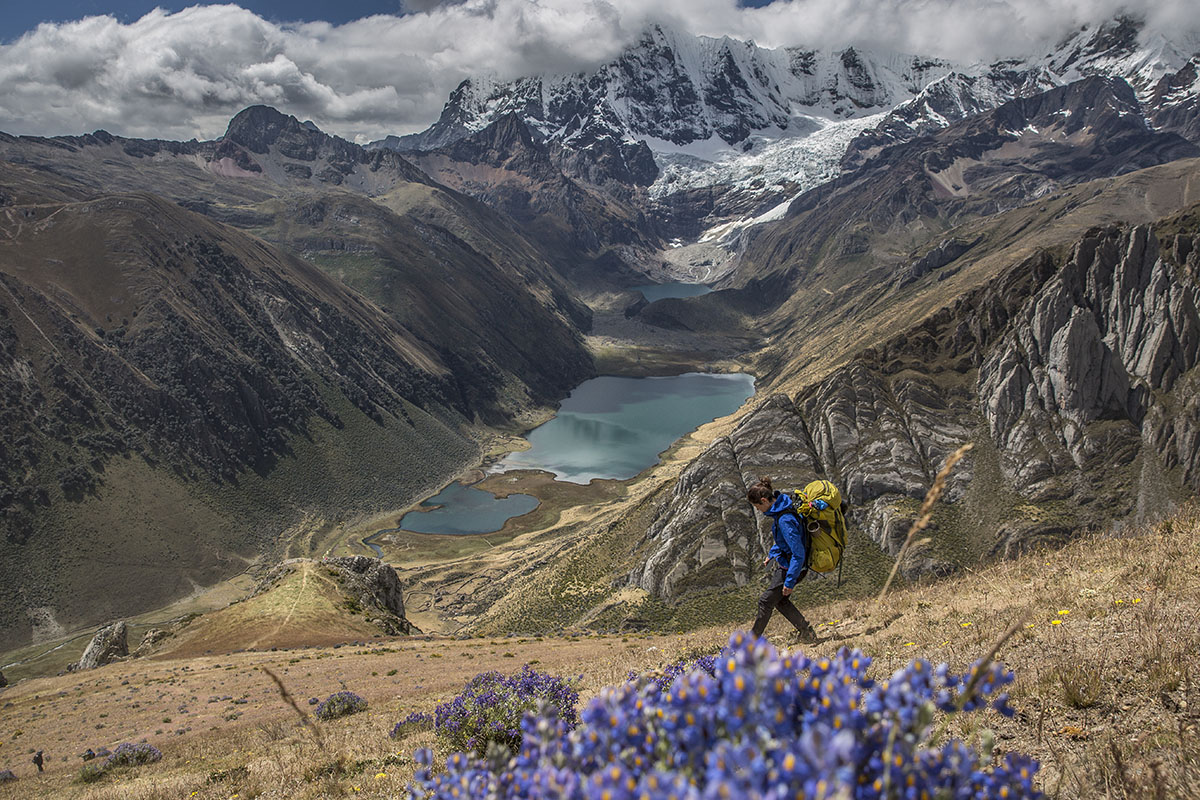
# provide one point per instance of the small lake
(465, 509)
(609, 427)
(661, 291)
(461, 510)
(612, 427)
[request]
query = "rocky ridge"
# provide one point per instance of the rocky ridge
(371, 586)
(511, 169)
(876, 215)
(680, 89)
(1075, 376)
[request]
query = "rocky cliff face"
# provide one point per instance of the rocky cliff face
(1075, 377)
(1097, 368)
(681, 89)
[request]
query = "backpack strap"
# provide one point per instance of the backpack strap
(805, 539)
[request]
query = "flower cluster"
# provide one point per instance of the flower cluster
(132, 755)
(417, 720)
(665, 676)
(764, 724)
(340, 704)
(491, 706)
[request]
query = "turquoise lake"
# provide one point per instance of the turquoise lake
(660, 291)
(465, 509)
(609, 427)
(612, 427)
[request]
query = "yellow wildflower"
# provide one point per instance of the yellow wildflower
(1056, 622)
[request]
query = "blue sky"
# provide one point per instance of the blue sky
(19, 17)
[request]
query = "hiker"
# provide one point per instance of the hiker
(37, 759)
(786, 558)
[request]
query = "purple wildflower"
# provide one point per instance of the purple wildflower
(761, 725)
(132, 755)
(340, 704)
(491, 706)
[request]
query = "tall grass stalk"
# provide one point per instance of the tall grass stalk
(925, 514)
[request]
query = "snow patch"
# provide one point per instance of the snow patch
(792, 164)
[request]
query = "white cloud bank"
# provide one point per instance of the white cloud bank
(185, 74)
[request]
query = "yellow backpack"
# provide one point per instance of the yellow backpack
(823, 518)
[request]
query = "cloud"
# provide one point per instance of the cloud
(179, 75)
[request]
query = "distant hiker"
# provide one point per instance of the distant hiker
(37, 759)
(786, 557)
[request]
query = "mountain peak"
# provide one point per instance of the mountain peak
(257, 127)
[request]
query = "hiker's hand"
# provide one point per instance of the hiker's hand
(787, 590)
(766, 561)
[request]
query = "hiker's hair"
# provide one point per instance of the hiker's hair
(761, 491)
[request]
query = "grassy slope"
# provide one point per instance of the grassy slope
(162, 538)
(1117, 676)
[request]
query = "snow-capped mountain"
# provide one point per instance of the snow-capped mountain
(750, 128)
(677, 90)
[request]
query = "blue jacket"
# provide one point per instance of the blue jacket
(789, 539)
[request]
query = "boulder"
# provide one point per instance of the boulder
(3, 680)
(109, 644)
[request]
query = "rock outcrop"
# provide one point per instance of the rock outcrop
(1077, 381)
(373, 583)
(947, 252)
(109, 644)
(1086, 378)
(150, 641)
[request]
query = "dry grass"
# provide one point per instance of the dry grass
(1107, 662)
(1107, 690)
(258, 748)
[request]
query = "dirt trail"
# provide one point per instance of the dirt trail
(304, 571)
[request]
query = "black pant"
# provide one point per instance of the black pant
(773, 598)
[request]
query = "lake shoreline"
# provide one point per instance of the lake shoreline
(646, 399)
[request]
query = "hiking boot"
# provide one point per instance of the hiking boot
(806, 635)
